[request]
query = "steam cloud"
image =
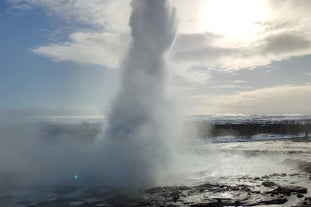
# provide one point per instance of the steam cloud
(138, 135)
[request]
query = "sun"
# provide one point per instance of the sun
(236, 20)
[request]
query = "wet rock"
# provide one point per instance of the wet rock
(271, 201)
(5, 199)
(101, 205)
(217, 203)
(229, 192)
(287, 190)
(175, 195)
(268, 184)
(24, 203)
(234, 188)
(275, 174)
(94, 192)
(56, 202)
(66, 190)
(305, 166)
(305, 202)
(245, 188)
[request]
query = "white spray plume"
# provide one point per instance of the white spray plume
(139, 135)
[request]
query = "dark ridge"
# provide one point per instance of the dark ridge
(249, 128)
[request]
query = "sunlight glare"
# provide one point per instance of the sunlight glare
(234, 19)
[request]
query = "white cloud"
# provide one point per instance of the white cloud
(240, 81)
(190, 15)
(282, 35)
(208, 50)
(290, 99)
(288, 15)
(190, 76)
(93, 48)
(99, 47)
(106, 39)
(111, 15)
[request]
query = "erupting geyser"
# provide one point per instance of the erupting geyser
(138, 137)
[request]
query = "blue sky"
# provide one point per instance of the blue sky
(29, 81)
(62, 57)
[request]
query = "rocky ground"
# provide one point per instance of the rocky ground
(277, 189)
(292, 188)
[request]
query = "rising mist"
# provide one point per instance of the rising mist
(140, 129)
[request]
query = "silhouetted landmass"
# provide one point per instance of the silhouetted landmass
(248, 129)
(82, 130)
